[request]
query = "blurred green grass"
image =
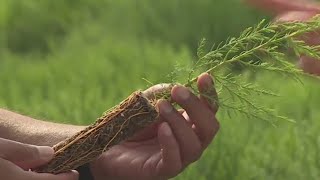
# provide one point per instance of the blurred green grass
(69, 62)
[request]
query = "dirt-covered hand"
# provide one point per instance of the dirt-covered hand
(166, 148)
(17, 158)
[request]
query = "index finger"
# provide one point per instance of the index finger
(208, 93)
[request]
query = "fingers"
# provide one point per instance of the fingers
(208, 95)
(72, 175)
(201, 110)
(189, 143)
(308, 64)
(10, 171)
(311, 38)
(170, 164)
(24, 155)
(202, 116)
(27, 156)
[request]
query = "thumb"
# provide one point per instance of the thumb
(24, 155)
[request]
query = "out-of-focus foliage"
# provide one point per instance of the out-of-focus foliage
(35, 25)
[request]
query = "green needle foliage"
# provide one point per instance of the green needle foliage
(263, 47)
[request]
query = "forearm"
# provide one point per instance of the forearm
(28, 130)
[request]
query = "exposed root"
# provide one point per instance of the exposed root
(115, 126)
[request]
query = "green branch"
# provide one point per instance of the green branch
(267, 42)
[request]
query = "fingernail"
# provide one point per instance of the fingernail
(183, 92)
(165, 107)
(45, 152)
(208, 80)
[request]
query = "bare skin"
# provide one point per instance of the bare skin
(161, 151)
(17, 158)
(164, 150)
(280, 6)
(308, 64)
(295, 10)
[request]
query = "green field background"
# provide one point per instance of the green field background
(68, 61)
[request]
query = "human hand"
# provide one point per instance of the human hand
(280, 6)
(164, 149)
(17, 158)
(298, 10)
(308, 64)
